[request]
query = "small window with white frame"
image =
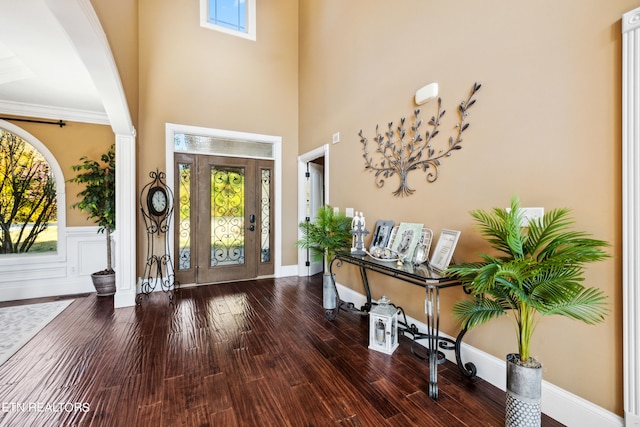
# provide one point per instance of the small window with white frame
(235, 17)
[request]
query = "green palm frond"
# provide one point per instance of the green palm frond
(556, 284)
(540, 272)
(475, 312)
(466, 272)
(543, 231)
(588, 306)
(498, 229)
(326, 235)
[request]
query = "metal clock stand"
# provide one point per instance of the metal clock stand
(156, 205)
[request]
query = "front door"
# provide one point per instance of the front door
(224, 218)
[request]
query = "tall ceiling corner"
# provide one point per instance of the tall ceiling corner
(80, 22)
(56, 63)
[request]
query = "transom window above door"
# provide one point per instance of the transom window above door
(221, 146)
(235, 17)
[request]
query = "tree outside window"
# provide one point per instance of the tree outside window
(28, 208)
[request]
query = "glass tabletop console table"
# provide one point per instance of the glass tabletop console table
(420, 275)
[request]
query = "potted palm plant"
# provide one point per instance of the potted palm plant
(98, 201)
(538, 273)
(326, 235)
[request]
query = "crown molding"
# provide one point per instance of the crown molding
(54, 113)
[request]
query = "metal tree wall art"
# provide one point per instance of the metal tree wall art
(410, 151)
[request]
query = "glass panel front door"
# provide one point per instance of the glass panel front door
(227, 236)
(224, 219)
(183, 220)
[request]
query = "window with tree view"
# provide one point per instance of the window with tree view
(28, 207)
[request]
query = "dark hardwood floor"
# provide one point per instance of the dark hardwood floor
(256, 353)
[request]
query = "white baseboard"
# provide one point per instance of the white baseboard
(557, 403)
(287, 271)
(123, 298)
(631, 420)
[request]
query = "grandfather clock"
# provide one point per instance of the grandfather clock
(156, 205)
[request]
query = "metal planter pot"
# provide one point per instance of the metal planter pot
(329, 296)
(524, 392)
(105, 283)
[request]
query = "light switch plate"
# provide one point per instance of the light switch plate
(529, 214)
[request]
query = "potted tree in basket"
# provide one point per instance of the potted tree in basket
(539, 273)
(326, 235)
(98, 201)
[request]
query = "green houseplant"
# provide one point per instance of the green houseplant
(326, 235)
(539, 273)
(98, 200)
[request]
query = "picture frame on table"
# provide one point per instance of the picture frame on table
(406, 240)
(392, 237)
(423, 247)
(381, 234)
(443, 253)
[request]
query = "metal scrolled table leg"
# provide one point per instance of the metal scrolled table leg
(467, 369)
(433, 331)
(365, 281)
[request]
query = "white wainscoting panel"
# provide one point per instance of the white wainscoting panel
(91, 256)
(40, 276)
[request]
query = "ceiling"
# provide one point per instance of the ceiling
(41, 71)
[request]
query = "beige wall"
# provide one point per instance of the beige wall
(546, 127)
(119, 20)
(194, 76)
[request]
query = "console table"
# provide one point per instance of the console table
(420, 275)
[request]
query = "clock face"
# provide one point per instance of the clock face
(157, 201)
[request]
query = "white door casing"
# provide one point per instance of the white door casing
(303, 159)
(631, 214)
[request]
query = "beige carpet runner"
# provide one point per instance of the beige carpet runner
(20, 323)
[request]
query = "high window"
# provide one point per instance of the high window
(28, 198)
(236, 17)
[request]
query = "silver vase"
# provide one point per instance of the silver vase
(524, 392)
(328, 292)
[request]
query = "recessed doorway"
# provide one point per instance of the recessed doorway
(313, 192)
(227, 210)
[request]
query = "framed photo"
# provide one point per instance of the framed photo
(392, 237)
(444, 249)
(406, 240)
(423, 247)
(381, 234)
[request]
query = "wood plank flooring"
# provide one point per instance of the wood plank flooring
(255, 353)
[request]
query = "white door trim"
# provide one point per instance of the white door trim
(171, 129)
(631, 214)
(322, 151)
